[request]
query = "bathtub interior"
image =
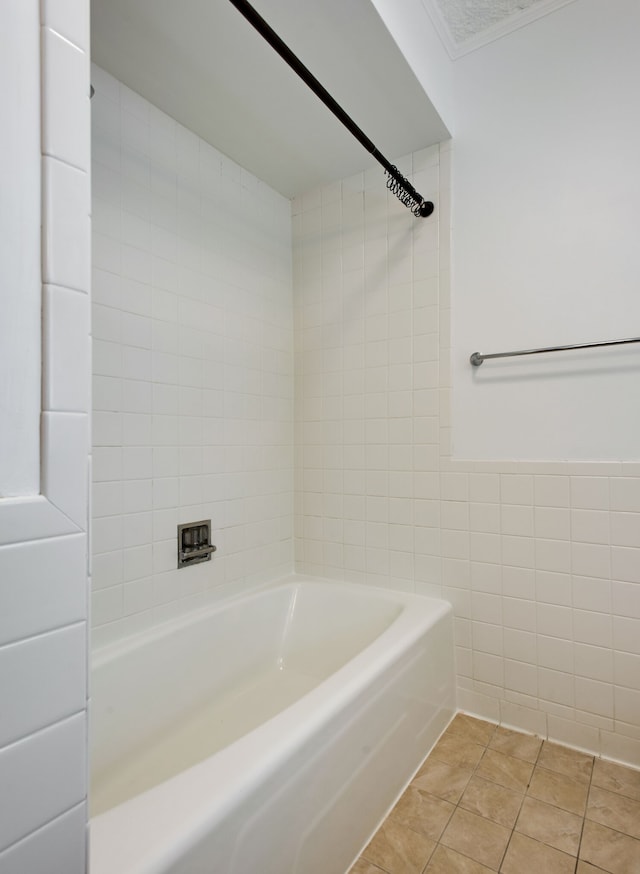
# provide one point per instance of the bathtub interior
(172, 698)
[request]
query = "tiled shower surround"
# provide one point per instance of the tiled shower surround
(193, 387)
(540, 560)
(193, 343)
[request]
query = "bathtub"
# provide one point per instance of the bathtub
(269, 734)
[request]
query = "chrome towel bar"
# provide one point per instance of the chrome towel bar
(476, 359)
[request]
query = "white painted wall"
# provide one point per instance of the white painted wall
(193, 366)
(415, 34)
(20, 252)
(546, 189)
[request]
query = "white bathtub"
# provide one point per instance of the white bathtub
(270, 734)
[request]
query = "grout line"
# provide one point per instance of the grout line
(586, 807)
(524, 797)
(16, 742)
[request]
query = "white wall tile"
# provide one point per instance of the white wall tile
(552, 523)
(516, 489)
(66, 256)
(521, 677)
(619, 748)
(591, 526)
(625, 529)
(591, 559)
(66, 115)
(625, 564)
(572, 734)
(42, 775)
(556, 687)
(626, 599)
(44, 679)
(520, 645)
(554, 621)
(590, 492)
(107, 605)
(65, 481)
(518, 552)
(594, 662)
(625, 494)
(592, 628)
(59, 847)
(626, 669)
(553, 555)
(627, 704)
(591, 594)
(69, 18)
(555, 653)
(66, 366)
(551, 491)
(35, 601)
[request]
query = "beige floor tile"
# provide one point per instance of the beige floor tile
(447, 861)
(559, 790)
(546, 803)
(613, 810)
(492, 801)
(476, 837)
(398, 849)
(364, 867)
(505, 770)
(616, 778)
(550, 825)
(526, 856)
(442, 780)
(563, 760)
(516, 744)
(422, 812)
(610, 850)
(476, 730)
(456, 750)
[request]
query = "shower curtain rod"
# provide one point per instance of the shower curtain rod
(396, 182)
(476, 358)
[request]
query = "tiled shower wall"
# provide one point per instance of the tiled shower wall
(540, 560)
(193, 384)
(366, 313)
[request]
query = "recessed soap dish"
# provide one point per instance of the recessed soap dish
(194, 543)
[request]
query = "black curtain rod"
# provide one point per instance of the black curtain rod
(396, 182)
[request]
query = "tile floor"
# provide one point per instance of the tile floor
(492, 800)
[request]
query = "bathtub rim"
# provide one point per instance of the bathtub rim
(111, 650)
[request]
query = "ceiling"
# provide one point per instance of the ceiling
(202, 63)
